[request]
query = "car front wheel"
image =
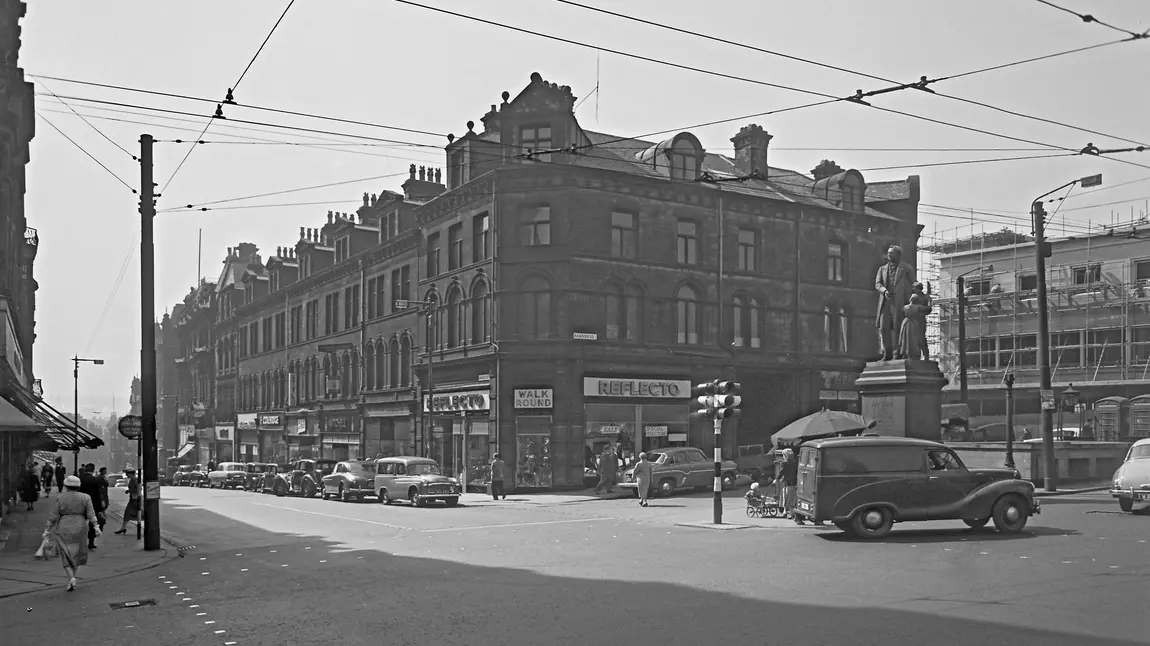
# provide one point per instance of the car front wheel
(344, 496)
(1126, 504)
(1010, 514)
(383, 500)
(872, 522)
(666, 487)
(308, 489)
(451, 502)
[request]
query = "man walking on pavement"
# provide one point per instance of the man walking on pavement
(90, 484)
(497, 475)
(103, 478)
(61, 472)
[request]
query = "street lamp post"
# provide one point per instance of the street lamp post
(1041, 253)
(76, 361)
(1069, 399)
(1008, 381)
(960, 285)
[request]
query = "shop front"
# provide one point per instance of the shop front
(533, 421)
(635, 415)
(339, 439)
(461, 432)
(187, 451)
(270, 434)
(247, 438)
(301, 437)
(387, 431)
(224, 448)
(205, 440)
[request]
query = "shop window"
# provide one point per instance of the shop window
(535, 309)
(480, 313)
(533, 451)
(687, 321)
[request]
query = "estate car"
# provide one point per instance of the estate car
(351, 480)
(1132, 479)
(684, 468)
(416, 480)
(866, 484)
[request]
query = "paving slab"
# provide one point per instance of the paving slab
(722, 527)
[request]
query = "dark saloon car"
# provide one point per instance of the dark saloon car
(351, 480)
(254, 480)
(304, 479)
(271, 475)
(866, 484)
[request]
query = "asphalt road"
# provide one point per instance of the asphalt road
(287, 571)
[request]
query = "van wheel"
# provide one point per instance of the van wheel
(845, 527)
(728, 480)
(383, 497)
(976, 523)
(666, 487)
(1010, 514)
(1126, 504)
(872, 522)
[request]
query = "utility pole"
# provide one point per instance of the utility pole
(960, 284)
(1008, 381)
(1049, 463)
(150, 464)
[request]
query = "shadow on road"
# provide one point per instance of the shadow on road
(950, 535)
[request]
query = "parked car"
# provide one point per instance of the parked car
(350, 480)
(254, 478)
(304, 479)
(416, 480)
(199, 476)
(685, 468)
(864, 485)
(1132, 479)
(228, 475)
(271, 475)
(183, 476)
(117, 480)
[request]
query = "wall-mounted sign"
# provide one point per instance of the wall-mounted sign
(187, 434)
(534, 397)
(641, 388)
(585, 336)
(337, 424)
(131, 426)
(301, 426)
(271, 421)
(246, 421)
(837, 380)
(655, 431)
(225, 433)
(476, 400)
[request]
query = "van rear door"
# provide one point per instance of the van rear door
(806, 491)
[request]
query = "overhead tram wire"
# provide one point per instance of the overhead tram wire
(857, 98)
(90, 124)
(228, 98)
(83, 150)
(837, 68)
(1085, 17)
(115, 290)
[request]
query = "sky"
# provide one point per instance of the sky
(388, 63)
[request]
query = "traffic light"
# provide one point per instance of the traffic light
(727, 399)
(705, 395)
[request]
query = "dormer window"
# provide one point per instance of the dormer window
(275, 281)
(249, 293)
(534, 139)
(342, 249)
(684, 161)
(304, 266)
(853, 189)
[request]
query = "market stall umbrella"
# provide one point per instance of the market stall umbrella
(825, 423)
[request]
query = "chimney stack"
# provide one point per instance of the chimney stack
(330, 217)
(751, 145)
(825, 169)
(412, 171)
(423, 173)
(438, 175)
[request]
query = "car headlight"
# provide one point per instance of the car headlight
(1118, 482)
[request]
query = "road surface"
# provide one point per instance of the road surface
(265, 570)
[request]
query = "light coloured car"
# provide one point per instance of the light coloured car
(416, 480)
(1132, 479)
(229, 475)
(350, 480)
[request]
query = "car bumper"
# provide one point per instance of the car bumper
(1139, 495)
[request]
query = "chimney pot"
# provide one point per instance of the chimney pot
(422, 173)
(374, 199)
(506, 95)
(438, 175)
(366, 199)
(470, 126)
(330, 217)
(302, 234)
(412, 168)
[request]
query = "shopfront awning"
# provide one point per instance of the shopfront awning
(12, 420)
(67, 436)
(184, 450)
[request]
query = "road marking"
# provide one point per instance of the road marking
(195, 606)
(201, 614)
(210, 622)
(220, 632)
(244, 570)
(543, 522)
(316, 513)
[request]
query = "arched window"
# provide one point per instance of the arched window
(480, 313)
(304, 381)
(345, 378)
(738, 325)
(355, 375)
(828, 329)
(434, 325)
(836, 328)
(405, 361)
(328, 373)
(844, 330)
(369, 366)
(313, 378)
(754, 331)
(623, 313)
(393, 363)
(684, 161)
(380, 366)
(455, 332)
(535, 309)
(688, 316)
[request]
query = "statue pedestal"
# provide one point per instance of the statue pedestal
(903, 397)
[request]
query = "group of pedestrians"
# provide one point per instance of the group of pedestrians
(33, 481)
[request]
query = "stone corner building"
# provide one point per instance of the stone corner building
(553, 290)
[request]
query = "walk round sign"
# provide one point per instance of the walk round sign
(131, 426)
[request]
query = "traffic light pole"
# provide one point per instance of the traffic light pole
(718, 422)
(150, 466)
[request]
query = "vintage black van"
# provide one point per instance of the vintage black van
(866, 484)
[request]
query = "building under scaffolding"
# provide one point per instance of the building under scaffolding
(1099, 308)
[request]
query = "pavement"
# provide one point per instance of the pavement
(21, 534)
(265, 570)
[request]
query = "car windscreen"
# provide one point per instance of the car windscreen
(423, 469)
(361, 469)
(1142, 451)
(231, 466)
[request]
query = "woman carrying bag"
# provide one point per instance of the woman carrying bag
(67, 531)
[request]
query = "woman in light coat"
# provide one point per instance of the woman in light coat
(643, 474)
(68, 527)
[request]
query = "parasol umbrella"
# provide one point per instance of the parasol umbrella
(825, 423)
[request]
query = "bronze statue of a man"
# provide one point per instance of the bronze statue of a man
(895, 284)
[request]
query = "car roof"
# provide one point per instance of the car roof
(407, 459)
(867, 440)
(1142, 442)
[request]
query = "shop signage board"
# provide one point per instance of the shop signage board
(131, 426)
(225, 433)
(636, 388)
(246, 421)
(659, 430)
(472, 400)
(534, 397)
(271, 420)
(187, 434)
(301, 426)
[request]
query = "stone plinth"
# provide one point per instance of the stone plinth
(903, 397)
